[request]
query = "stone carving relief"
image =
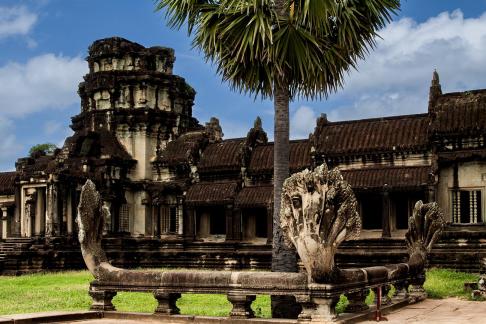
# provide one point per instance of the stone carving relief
(144, 96)
(318, 213)
(102, 99)
(163, 100)
(124, 97)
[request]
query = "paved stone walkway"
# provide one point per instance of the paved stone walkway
(449, 310)
(430, 311)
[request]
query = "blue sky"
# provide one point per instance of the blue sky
(43, 44)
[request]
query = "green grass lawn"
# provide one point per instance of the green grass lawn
(69, 291)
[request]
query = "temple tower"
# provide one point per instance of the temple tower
(130, 91)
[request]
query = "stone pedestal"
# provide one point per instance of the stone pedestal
(417, 292)
(401, 290)
(318, 309)
(102, 300)
(357, 301)
(241, 305)
(166, 303)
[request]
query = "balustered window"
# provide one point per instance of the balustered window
(467, 206)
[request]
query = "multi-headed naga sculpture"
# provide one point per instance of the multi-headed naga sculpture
(319, 212)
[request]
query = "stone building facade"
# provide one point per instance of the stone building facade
(180, 195)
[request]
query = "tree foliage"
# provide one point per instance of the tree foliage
(45, 148)
(254, 47)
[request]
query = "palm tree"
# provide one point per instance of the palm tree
(282, 49)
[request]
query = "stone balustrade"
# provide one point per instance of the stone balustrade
(318, 213)
(318, 300)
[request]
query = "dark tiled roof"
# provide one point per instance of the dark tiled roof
(210, 193)
(181, 149)
(262, 157)
(461, 113)
(223, 156)
(394, 177)
(99, 144)
(40, 164)
(7, 183)
(399, 133)
(261, 196)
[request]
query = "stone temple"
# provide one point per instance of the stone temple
(181, 195)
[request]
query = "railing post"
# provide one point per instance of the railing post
(166, 303)
(417, 291)
(318, 308)
(101, 299)
(357, 301)
(241, 305)
(401, 290)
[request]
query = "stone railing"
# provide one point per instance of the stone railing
(318, 213)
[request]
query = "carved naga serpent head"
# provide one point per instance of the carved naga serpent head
(424, 228)
(318, 213)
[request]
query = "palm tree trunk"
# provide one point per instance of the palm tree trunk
(284, 259)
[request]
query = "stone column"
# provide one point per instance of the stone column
(431, 194)
(228, 212)
(107, 225)
(269, 224)
(180, 216)
(237, 224)
(52, 213)
(190, 223)
(28, 219)
(17, 213)
(386, 231)
(4, 223)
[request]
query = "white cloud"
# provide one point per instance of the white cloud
(395, 77)
(44, 82)
(302, 122)
(9, 146)
(16, 21)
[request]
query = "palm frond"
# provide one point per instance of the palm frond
(253, 46)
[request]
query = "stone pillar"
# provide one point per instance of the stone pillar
(17, 213)
(237, 224)
(190, 223)
(269, 224)
(386, 230)
(180, 216)
(431, 194)
(28, 216)
(4, 223)
(107, 225)
(52, 213)
(228, 212)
